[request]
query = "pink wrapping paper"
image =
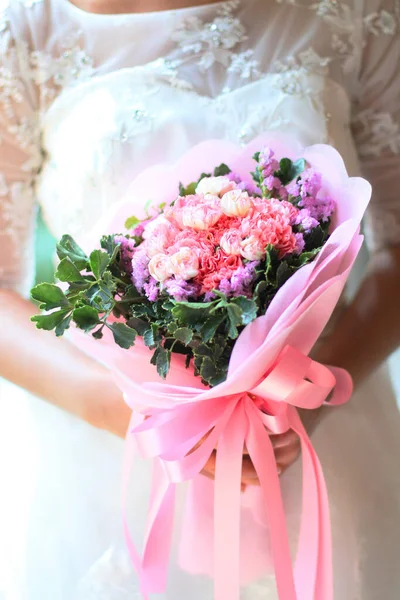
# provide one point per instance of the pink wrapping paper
(269, 376)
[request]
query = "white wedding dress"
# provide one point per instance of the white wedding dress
(86, 102)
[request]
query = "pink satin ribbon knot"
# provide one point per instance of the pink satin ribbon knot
(247, 417)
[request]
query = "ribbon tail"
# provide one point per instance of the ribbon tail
(261, 453)
(157, 546)
(314, 561)
(227, 507)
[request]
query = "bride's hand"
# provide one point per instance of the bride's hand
(286, 448)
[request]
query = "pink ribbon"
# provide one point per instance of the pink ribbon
(169, 435)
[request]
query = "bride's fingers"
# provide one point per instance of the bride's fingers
(285, 457)
(284, 439)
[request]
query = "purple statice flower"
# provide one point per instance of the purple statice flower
(267, 162)
(209, 296)
(139, 229)
(225, 287)
(293, 189)
(140, 271)
(180, 289)
(300, 243)
(250, 187)
(127, 247)
(272, 183)
(319, 208)
(306, 221)
(232, 176)
(241, 280)
(151, 289)
(310, 183)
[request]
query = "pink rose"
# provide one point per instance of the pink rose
(252, 248)
(215, 185)
(230, 242)
(160, 267)
(200, 217)
(185, 263)
(236, 203)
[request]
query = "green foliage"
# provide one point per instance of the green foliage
(49, 295)
(67, 271)
(223, 169)
(68, 248)
(289, 170)
(124, 336)
(85, 317)
(99, 261)
(131, 223)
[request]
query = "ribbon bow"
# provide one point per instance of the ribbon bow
(228, 423)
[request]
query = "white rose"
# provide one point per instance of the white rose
(214, 185)
(160, 267)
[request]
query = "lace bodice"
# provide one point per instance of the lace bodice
(88, 100)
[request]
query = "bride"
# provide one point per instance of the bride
(92, 92)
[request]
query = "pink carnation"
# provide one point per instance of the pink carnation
(200, 217)
(225, 267)
(230, 241)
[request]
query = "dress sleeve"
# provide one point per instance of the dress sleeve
(20, 159)
(376, 120)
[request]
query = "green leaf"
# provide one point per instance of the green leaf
(307, 257)
(98, 334)
(256, 156)
(210, 327)
(208, 370)
(223, 169)
(99, 261)
(297, 168)
(283, 273)
(50, 296)
(271, 264)
(109, 244)
(63, 326)
(248, 309)
(203, 350)
(235, 319)
(86, 317)
(131, 222)
(260, 294)
(184, 335)
(315, 239)
(140, 326)
(152, 336)
(67, 247)
(163, 361)
(188, 190)
(285, 166)
(67, 271)
(124, 336)
(51, 321)
(191, 313)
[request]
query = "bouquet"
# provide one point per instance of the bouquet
(214, 278)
